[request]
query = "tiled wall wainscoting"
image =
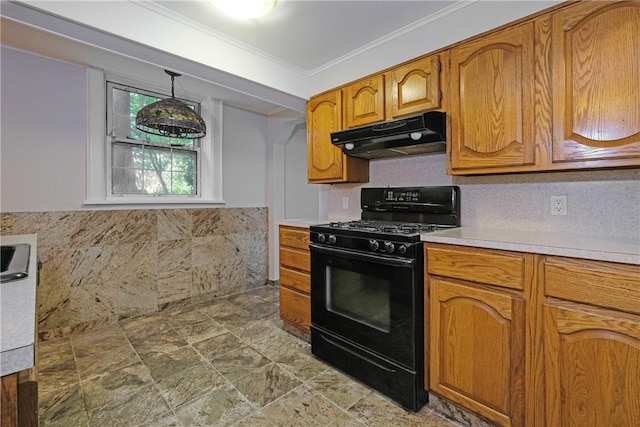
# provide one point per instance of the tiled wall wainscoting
(103, 266)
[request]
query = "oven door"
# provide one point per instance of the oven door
(371, 300)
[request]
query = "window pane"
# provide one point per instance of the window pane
(127, 155)
(184, 176)
(141, 169)
(157, 159)
(126, 104)
(121, 117)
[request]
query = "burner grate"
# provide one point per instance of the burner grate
(391, 227)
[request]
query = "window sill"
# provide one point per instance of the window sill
(145, 201)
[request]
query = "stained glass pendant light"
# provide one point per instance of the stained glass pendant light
(171, 117)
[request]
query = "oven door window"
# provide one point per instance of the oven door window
(360, 297)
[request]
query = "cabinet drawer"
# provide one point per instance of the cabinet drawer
(295, 279)
(295, 308)
(493, 267)
(295, 258)
(295, 238)
(599, 283)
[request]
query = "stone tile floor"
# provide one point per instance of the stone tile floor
(222, 362)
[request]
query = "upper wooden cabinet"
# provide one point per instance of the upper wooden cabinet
(559, 92)
(365, 101)
(596, 82)
(407, 89)
(325, 162)
(413, 87)
(492, 100)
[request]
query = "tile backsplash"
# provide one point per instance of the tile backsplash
(103, 266)
(599, 202)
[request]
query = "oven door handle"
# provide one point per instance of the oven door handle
(392, 262)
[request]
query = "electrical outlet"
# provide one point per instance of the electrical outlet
(345, 203)
(559, 205)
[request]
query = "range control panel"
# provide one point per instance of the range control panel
(401, 196)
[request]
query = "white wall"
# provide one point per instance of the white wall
(290, 196)
(600, 203)
(43, 133)
(301, 199)
(244, 159)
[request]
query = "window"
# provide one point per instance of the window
(128, 166)
(142, 163)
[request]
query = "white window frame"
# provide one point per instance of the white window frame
(99, 149)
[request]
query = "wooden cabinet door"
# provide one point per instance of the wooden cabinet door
(324, 115)
(414, 87)
(326, 163)
(477, 349)
(596, 82)
(364, 101)
(492, 100)
(592, 365)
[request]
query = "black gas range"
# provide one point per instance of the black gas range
(393, 219)
(367, 301)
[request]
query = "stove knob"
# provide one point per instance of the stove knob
(402, 249)
(332, 239)
(321, 238)
(374, 245)
(389, 247)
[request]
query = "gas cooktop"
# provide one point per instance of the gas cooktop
(390, 227)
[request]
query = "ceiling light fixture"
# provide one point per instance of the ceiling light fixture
(171, 117)
(245, 9)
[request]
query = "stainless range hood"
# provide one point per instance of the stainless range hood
(421, 134)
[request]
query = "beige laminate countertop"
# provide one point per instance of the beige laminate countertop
(303, 222)
(601, 248)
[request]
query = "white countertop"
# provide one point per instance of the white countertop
(612, 249)
(18, 312)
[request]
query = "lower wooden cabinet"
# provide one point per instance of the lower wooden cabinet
(295, 280)
(592, 343)
(592, 366)
(534, 340)
(477, 343)
(477, 332)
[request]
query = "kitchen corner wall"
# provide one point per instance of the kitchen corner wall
(103, 266)
(599, 203)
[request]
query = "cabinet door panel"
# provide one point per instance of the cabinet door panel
(604, 284)
(365, 101)
(294, 258)
(477, 338)
(592, 362)
(294, 237)
(295, 279)
(492, 99)
(324, 115)
(493, 267)
(596, 59)
(414, 87)
(295, 308)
